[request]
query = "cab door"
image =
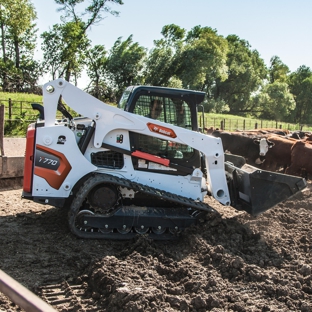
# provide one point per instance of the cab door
(171, 110)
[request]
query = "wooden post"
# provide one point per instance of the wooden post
(256, 125)
(10, 111)
(244, 124)
(1, 129)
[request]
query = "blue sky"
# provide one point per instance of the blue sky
(272, 27)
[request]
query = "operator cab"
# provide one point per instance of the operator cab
(177, 107)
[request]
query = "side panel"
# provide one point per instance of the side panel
(59, 163)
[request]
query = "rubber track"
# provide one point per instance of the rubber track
(137, 187)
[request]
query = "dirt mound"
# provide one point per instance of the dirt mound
(231, 262)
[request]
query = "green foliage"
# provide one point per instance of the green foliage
(275, 101)
(300, 86)
(203, 59)
(125, 64)
(18, 70)
(218, 106)
(278, 70)
(246, 72)
(64, 49)
(232, 74)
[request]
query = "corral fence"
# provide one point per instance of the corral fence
(19, 114)
(230, 124)
(17, 110)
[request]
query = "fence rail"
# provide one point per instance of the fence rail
(21, 113)
(18, 110)
(231, 124)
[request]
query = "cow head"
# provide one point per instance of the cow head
(264, 146)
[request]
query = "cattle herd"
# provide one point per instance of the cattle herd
(270, 149)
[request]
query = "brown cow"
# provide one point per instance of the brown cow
(252, 148)
(264, 131)
(301, 155)
(280, 154)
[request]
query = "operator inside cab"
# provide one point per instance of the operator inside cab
(156, 108)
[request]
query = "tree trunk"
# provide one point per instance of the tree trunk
(68, 72)
(4, 75)
(17, 52)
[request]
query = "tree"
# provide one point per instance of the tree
(70, 38)
(92, 12)
(275, 102)
(96, 64)
(300, 86)
(278, 70)
(64, 49)
(202, 60)
(18, 35)
(161, 64)
(246, 72)
(125, 64)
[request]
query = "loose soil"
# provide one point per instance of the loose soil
(231, 262)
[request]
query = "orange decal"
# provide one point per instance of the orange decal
(153, 158)
(161, 130)
(51, 165)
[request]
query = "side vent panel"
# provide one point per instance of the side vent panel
(108, 159)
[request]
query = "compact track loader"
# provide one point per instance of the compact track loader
(141, 168)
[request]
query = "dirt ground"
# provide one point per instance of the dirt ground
(230, 263)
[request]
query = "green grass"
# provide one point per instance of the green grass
(232, 122)
(21, 97)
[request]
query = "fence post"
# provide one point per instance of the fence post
(221, 125)
(1, 129)
(10, 110)
(256, 125)
(244, 124)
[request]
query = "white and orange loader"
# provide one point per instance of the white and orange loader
(121, 173)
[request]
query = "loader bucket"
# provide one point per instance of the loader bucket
(255, 190)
